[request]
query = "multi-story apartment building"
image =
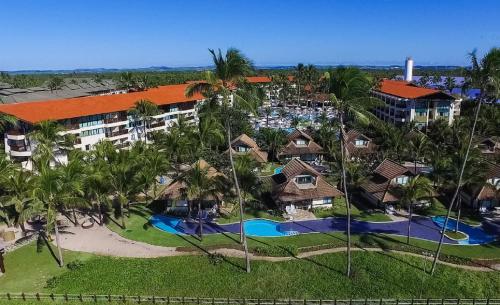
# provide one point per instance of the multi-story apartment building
(406, 102)
(95, 118)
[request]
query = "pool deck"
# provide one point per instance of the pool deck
(421, 227)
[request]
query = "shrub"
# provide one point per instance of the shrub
(287, 250)
(74, 265)
(215, 258)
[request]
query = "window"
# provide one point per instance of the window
(87, 147)
(301, 142)
(306, 179)
(242, 149)
(91, 132)
(361, 142)
(327, 200)
(402, 180)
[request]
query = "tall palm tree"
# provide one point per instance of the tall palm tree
(154, 164)
(419, 145)
(230, 70)
(299, 74)
(144, 111)
(480, 75)
(200, 185)
(272, 140)
(245, 170)
(350, 95)
(417, 188)
(127, 80)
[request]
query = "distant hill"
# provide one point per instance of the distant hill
(201, 68)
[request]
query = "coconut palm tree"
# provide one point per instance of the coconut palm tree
(299, 74)
(272, 140)
(417, 188)
(230, 70)
(127, 80)
(6, 121)
(154, 164)
(199, 185)
(350, 89)
(480, 75)
(268, 111)
(449, 83)
(144, 111)
(245, 169)
(419, 146)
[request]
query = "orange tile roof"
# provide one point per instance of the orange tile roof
(34, 112)
(408, 90)
(258, 79)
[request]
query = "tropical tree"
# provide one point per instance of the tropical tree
(417, 188)
(480, 76)
(299, 74)
(144, 111)
(154, 163)
(6, 121)
(419, 146)
(230, 70)
(272, 140)
(245, 167)
(127, 80)
(199, 185)
(55, 83)
(350, 95)
(449, 83)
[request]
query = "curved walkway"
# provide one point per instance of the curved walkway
(102, 241)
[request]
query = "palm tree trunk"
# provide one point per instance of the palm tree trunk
(58, 244)
(75, 219)
(410, 210)
(459, 184)
(122, 215)
(200, 223)
(243, 238)
(99, 210)
(459, 207)
(348, 204)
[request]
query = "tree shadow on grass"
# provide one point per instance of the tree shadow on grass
(43, 238)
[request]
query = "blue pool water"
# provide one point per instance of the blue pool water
(167, 224)
(267, 228)
(476, 234)
(278, 170)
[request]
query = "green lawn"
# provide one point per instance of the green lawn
(439, 209)
(138, 228)
(455, 235)
(375, 275)
(268, 168)
(250, 213)
(339, 210)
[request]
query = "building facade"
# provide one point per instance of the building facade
(406, 102)
(95, 118)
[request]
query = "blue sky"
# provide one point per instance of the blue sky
(52, 34)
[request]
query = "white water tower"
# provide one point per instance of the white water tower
(409, 69)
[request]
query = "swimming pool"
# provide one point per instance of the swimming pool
(278, 170)
(167, 224)
(268, 228)
(476, 235)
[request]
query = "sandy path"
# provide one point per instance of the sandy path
(101, 240)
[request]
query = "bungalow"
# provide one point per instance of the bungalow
(177, 198)
(484, 196)
(301, 145)
(358, 145)
(490, 147)
(383, 185)
(246, 145)
(298, 185)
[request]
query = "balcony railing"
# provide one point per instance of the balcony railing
(114, 120)
(116, 133)
(158, 124)
(122, 145)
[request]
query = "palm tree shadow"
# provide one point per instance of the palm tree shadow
(49, 246)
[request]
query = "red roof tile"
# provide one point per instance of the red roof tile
(34, 112)
(408, 90)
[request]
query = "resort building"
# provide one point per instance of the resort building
(301, 145)
(178, 200)
(485, 196)
(95, 118)
(358, 145)
(490, 147)
(382, 187)
(298, 185)
(406, 102)
(245, 145)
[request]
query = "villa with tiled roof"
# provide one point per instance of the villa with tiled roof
(298, 185)
(486, 195)
(301, 145)
(358, 145)
(243, 144)
(407, 102)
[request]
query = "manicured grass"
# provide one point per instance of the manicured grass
(250, 213)
(27, 270)
(138, 228)
(375, 275)
(340, 210)
(439, 209)
(455, 235)
(268, 168)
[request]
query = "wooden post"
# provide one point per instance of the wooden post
(2, 266)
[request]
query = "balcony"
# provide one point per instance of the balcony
(115, 120)
(157, 124)
(122, 145)
(116, 133)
